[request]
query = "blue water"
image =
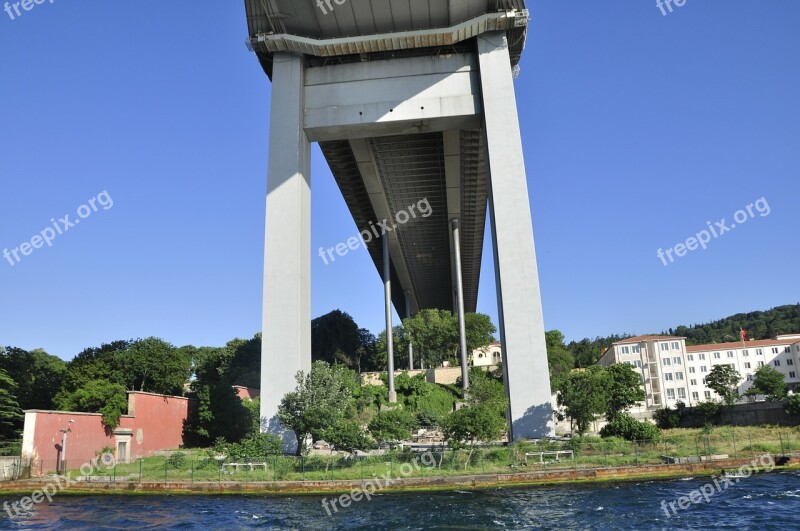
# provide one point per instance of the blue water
(761, 502)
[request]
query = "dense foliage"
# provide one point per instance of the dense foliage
(724, 380)
(628, 428)
(770, 383)
(10, 413)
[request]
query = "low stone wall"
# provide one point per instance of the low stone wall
(9, 468)
(428, 483)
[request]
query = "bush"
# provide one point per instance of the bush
(793, 405)
(709, 412)
(394, 424)
(177, 460)
(253, 448)
(348, 435)
(631, 429)
(667, 418)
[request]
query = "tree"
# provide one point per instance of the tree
(97, 396)
(793, 405)
(627, 427)
(393, 425)
(472, 424)
(95, 363)
(434, 334)
(624, 389)
(724, 380)
(583, 396)
(335, 338)
(349, 436)
(479, 330)
(320, 401)
(559, 360)
(38, 376)
(155, 366)
(11, 416)
(770, 383)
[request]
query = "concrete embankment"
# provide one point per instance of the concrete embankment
(428, 483)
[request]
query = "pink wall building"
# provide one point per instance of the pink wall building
(153, 423)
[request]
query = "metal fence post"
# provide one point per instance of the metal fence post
(752, 450)
(192, 470)
(140, 470)
(165, 470)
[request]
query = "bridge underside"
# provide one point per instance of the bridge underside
(417, 120)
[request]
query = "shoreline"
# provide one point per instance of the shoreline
(400, 485)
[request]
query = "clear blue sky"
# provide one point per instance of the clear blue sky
(638, 129)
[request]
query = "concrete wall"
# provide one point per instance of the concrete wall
(154, 422)
(756, 414)
(9, 468)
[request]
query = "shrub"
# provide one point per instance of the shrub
(709, 412)
(394, 424)
(177, 460)
(631, 429)
(793, 405)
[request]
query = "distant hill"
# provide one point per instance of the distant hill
(759, 325)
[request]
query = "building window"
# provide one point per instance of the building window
(790, 361)
(679, 376)
(676, 345)
(732, 366)
(637, 364)
(695, 395)
(703, 369)
(691, 370)
(677, 361)
(792, 374)
(777, 363)
(690, 357)
(702, 357)
(745, 353)
(692, 382)
(626, 350)
(707, 394)
(666, 362)
(774, 350)
(747, 365)
(636, 349)
(681, 393)
(760, 364)
(730, 353)
(668, 376)
(787, 349)
(671, 394)
(749, 377)
(716, 355)
(664, 346)
(760, 351)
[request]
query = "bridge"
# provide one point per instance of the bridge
(412, 102)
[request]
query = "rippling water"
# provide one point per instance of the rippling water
(762, 502)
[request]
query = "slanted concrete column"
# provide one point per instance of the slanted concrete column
(410, 344)
(518, 296)
(462, 329)
(286, 336)
(387, 292)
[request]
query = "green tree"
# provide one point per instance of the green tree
(11, 416)
(434, 334)
(155, 366)
(623, 390)
(393, 425)
(559, 359)
(97, 396)
(583, 397)
(335, 339)
(724, 380)
(320, 401)
(95, 363)
(793, 405)
(348, 435)
(38, 376)
(770, 383)
(479, 330)
(627, 427)
(472, 424)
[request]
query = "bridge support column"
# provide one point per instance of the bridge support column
(286, 336)
(525, 367)
(462, 329)
(387, 291)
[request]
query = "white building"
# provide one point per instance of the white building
(488, 356)
(673, 372)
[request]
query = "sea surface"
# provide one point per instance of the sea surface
(763, 502)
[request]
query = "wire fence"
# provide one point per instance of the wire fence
(576, 454)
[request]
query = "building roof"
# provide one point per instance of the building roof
(739, 344)
(639, 339)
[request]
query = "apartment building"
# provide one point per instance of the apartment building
(673, 372)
